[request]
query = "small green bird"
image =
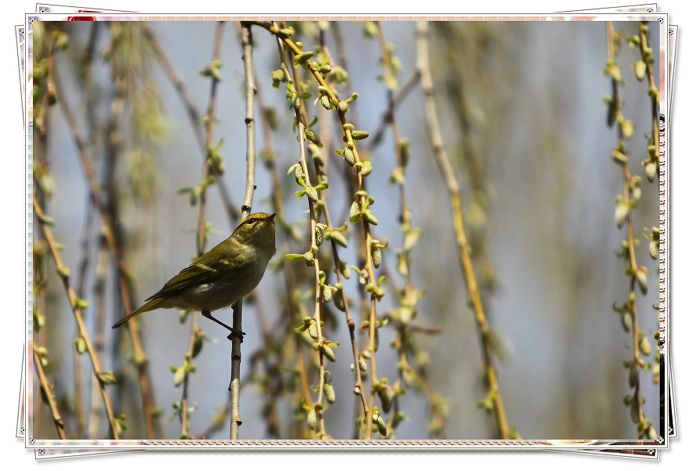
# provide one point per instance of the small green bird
(223, 275)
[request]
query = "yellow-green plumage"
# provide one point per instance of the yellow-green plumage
(221, 276)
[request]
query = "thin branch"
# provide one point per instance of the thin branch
(623, 215)
(396, 100)
(193, 115)
(47, 394)
(196, 331)
(247, 47)
(460, 233)
(76, 303)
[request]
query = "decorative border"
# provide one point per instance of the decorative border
(340, 444)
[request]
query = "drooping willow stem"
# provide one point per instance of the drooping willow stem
(313, 197)
(648, 60)
(201, 235)
(102, 377)
(460, 233)
(193, 116)
(362, 200)
(623, 215)
(108, 228)
(235, 385)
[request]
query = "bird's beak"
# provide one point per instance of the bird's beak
(271, 217)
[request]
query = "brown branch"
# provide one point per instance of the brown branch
(460, 233)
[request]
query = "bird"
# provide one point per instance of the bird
(221, 276)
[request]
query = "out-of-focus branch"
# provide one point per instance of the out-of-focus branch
(494, 398)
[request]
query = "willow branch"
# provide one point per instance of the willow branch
(648, 60)
(362, 200)
(320, 341)
(193, 115)
(108, 228)
(395, 101)
(76, 303)
(201, 237)
(47, 394)
(460, 233)
(623, 213)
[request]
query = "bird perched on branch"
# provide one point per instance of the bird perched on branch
(222, 276)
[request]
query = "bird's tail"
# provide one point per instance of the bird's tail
(149, 306)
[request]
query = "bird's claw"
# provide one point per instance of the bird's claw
(239, 335)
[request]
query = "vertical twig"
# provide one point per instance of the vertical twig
(494, 397)
(192, 114)
(201, 236)
(247, 47)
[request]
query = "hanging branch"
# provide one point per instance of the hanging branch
(108, 228)
(247, 46)
(211, 170)
(193, 115)
(406, 313)
(397, 98)
(319, 232)
(644, 68)
(359, 211)
(493, 401)
(47, 391)
(336, 237)
(83, 342)
(623, 217)
(273, 379)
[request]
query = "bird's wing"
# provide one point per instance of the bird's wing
(220, 260)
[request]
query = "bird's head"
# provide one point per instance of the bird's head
(258, 229)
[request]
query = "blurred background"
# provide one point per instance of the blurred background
(522, 111)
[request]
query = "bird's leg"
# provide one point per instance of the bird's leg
(208, 315)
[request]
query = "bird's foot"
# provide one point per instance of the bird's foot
(239, 335)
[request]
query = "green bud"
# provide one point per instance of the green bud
(107, 377)
(80, 345)
(359, 135)
(644, 345)
(329, 392)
